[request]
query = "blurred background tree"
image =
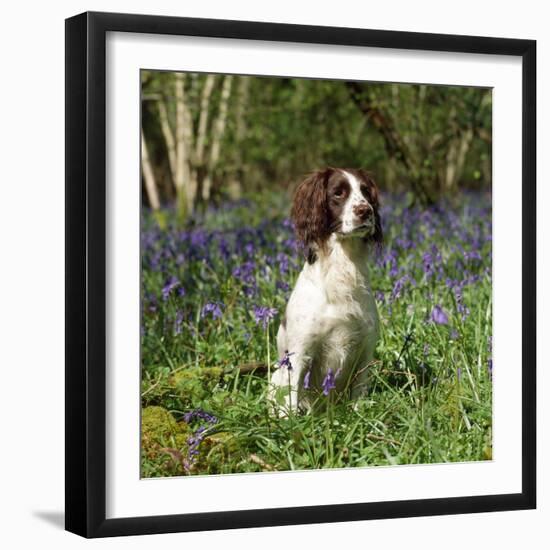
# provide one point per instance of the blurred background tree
(207, 137)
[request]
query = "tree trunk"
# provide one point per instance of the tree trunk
(203, 117)
(393, 142)
(218, 132)
(456, 157)
(184, 180)
(148, 176)
(238, 174)
(168, 137)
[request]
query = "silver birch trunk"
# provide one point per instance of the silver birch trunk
(168, 137)
(456, 157)
(203, 117)
(184, 181)
(234, 185)
(218, 132)
(148, 176)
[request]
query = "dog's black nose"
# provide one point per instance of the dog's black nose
(363, 211)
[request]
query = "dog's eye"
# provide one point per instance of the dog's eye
(339, 192)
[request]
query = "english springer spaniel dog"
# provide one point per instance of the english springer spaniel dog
(329, 332)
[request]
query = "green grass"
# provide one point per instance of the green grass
(430, 391)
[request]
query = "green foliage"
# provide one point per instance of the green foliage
(280, 128)
(430, 389)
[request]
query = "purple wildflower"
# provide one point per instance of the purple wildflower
(282, 260)
(472, 255)
(152, 305)
(438, 316)
(199, 238)
(178, 321)
(329, 382)
(461, 308)
(307, 378)
(225, 249)
(212, 308)
(282, 285)
(398, 287)
(245, 272)
(285, 361)
(263, 314)
(169, 286)
(199, 434)
(393, 270)
(199, 414)
(427, 264)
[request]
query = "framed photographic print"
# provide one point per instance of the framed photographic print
(300, 274)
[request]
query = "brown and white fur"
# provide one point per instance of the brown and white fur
(331, 320)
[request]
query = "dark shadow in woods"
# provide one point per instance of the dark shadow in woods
(55, 518)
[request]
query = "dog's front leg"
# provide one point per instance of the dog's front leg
(284, 391)
(359, 387)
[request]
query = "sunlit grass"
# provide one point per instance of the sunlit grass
(204, 347)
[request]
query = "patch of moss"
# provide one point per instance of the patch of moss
(215, 452)
(164, 446)
(159, 429)
(207, 375)
(196, 384)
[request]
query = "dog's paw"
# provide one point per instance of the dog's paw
(282, 405)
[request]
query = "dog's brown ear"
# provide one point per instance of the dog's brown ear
(310, 210)
(374, 199)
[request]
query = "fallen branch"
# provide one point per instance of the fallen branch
(382, 438)
(257, 460)
(246, 368)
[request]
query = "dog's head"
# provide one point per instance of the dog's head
(338, 201)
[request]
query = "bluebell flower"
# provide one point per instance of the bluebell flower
(199, 238)
(283, 261)
(212, 308)
(263, 314)
(472, 255)
(245, 272)
(285, 361)
(438, 316)
(461, 308)
(194, 441)
(398, 287)
(178, 321)
(282, 285)
(171, 284)
(307, 379)
(427, 264)
(199, 414)
(329, 382)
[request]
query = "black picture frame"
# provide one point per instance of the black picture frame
(86, 274)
